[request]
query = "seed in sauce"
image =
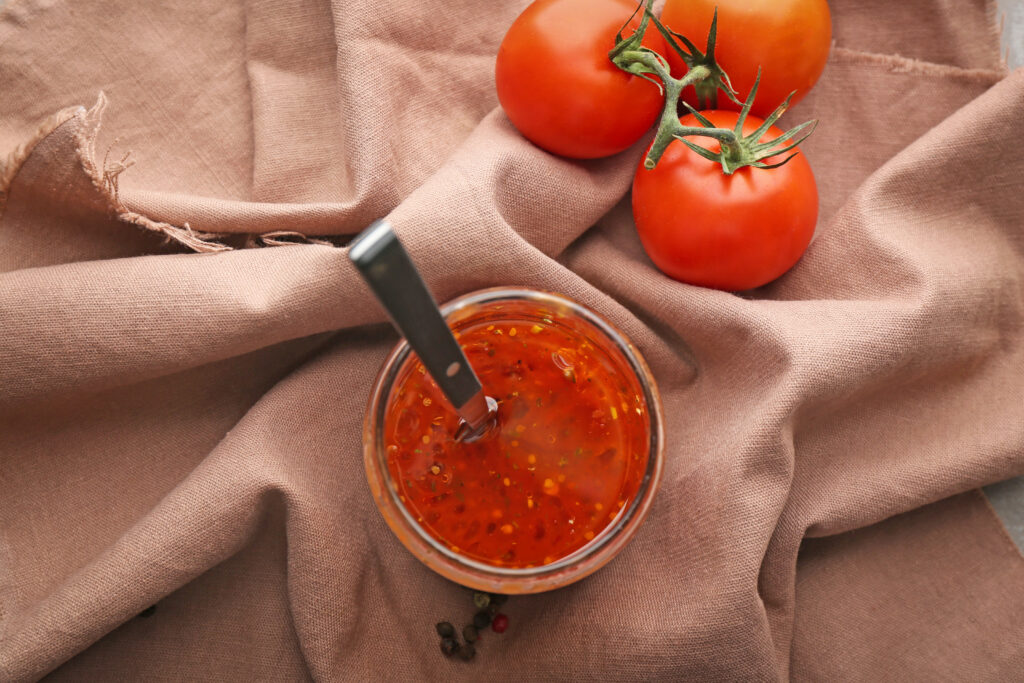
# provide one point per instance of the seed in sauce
(563, 447)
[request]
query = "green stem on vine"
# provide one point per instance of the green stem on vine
(749, 150)
(707, 78)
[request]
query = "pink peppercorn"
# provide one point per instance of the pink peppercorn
(500, 623)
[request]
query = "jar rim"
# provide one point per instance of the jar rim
(474, 573)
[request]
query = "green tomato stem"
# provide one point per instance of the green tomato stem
(669, 127)
(736, 151)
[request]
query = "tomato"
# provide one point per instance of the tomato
(559, 88)
(729, 232)
(788, 39)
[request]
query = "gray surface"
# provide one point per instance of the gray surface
(1007, 497)
(1008, 500)
(1013, 30)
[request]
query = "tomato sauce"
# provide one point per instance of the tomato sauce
(568, 456)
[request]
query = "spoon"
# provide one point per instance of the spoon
(384, 263)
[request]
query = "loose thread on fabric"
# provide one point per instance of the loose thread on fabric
(106, 177)
(105, 180)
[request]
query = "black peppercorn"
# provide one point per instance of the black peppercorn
(467, 652)
(498, 599)
(470, 633)
(481, 619)
(449, 646)
(445, 630)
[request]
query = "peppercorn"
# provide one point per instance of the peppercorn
(498, 598)
(470, 633)
(481, 600)
(445, 629)
(481, 619)
(467, 652)
(492, 609)
(500, 623)
(449, 646)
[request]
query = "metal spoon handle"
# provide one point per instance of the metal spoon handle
(385, 265)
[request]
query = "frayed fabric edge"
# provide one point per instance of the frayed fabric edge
(105, 178)
(10, 166)
(105, 175)
(284, 238)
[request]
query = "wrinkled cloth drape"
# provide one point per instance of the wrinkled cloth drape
(181, 403)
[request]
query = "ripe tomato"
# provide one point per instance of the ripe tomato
(788, 39)
(558, 86)
(729, 232)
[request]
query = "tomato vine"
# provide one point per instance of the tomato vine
(707, 78)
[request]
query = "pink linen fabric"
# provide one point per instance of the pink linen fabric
(181, 403)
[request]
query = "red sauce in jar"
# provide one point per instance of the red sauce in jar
(567, 458)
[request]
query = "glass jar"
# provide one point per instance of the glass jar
(529, 307)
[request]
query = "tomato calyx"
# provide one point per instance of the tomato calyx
(738, 150)
(703, 72)
(707, 77)
(633, 57)
(706, 87)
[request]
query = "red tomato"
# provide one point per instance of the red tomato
(558, 86)
(729, 232)
(788, 39)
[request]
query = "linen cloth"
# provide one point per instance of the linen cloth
(183, 429)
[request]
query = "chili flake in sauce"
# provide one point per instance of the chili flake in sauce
(567, 458)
